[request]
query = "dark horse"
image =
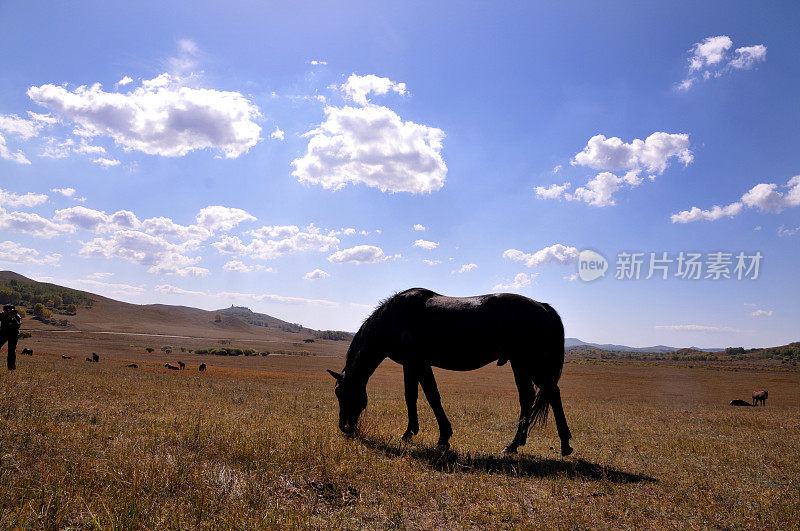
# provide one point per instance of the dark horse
(420, 329)
(760, 397)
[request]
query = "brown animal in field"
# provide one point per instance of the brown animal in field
(27, 352)
(171, 367)
(739, 402)
(760, 397)
(132, 366)
(182, 365)
(95, 357)
(202, 367)
(66, 357)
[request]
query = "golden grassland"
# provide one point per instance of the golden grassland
(253, 443)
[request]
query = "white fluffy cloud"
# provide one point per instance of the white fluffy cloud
(223, 218)
(29, 199)
(317, 274)
(765, 197)
(747, 56)
(5, 153)
(465, 269)
(716, 212)
(558, 253)
(425, 244)
(651, 154)
(164, 116)
(14, 253)
(144, 249)
(92, 220)
(33, 224)
(270, 242)
(66, 192)
(372, 145)
(712, 58)
(520, 281)
(420, 227)
(360, 254)
(240, 267)
(277, 134)
(357, 88)
(762, 313)
(554, 191)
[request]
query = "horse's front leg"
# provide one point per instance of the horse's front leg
(431, 391)
(411, 381)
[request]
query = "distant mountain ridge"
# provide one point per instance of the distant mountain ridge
(570, 342)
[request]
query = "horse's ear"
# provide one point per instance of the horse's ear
(336, 375)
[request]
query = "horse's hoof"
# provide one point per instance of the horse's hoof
(443, 446)
(509, 450)
(566, 450)
(407, 436)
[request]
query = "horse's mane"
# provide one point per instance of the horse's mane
(372, 324)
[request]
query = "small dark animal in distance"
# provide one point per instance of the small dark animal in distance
(739, 402)
(132, 366)
(95, 357)
(182, 365)
(760, 397)
(308, 341)
(27, 352)
(171, 367)
(66, 357)
(202, 367)
(88, 359)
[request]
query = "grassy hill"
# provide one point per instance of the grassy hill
(95, 313)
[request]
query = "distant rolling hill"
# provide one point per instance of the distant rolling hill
(571, 342)
(96, 313)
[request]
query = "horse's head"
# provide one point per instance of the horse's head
(352, 401)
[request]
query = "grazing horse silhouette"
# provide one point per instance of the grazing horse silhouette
(27, 352)
(760, 397)
(66, 357)
(420, 329)
(202, 367)
(95, 357)
(171, 367)
(132, 366)
(182, 365)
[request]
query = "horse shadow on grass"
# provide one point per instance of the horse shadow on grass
(519, 465)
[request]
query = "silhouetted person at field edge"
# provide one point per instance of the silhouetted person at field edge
(10, 321)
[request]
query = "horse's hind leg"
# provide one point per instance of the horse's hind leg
(411, 381)
(526, 395)
(561, 420)
(431, 391)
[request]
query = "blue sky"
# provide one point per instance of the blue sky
(280, 157)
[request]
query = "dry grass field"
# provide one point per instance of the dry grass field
(253, 443)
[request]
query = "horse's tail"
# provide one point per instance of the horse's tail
(549, 373)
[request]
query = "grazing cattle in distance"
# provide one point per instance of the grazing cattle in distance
(132, 366)
(171, 367)
(760, 397)
(95, 357)
(182, 365)
(202, 367)
(739, 402)
(27, 352)
(66, 357)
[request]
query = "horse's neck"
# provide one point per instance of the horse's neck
(363, 366)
